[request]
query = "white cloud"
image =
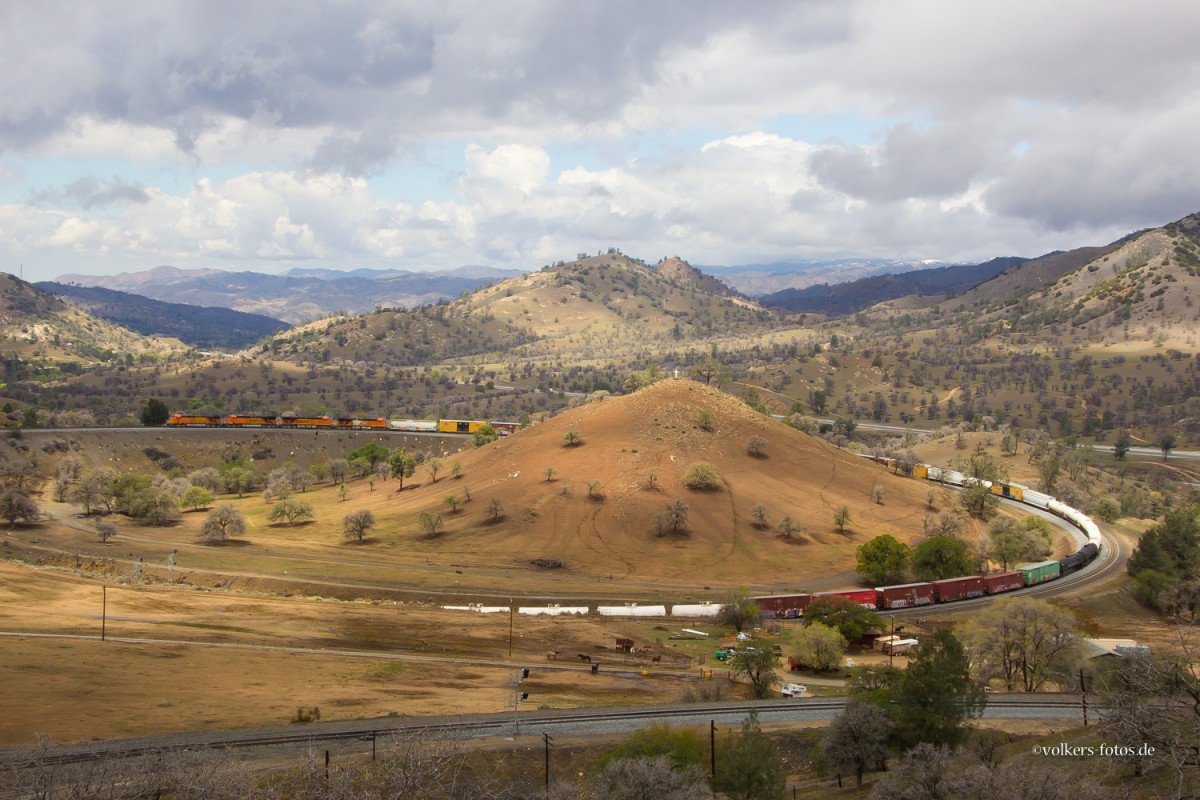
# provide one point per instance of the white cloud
(879, 127)
(519, 167)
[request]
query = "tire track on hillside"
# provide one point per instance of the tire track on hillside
(828, 483)
(733, 517)
(607, 549)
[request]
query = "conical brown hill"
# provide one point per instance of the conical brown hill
(624, 441)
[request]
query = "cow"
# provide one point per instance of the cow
(584, 657)
(551, 655)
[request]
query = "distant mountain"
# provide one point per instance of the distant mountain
(850, 297)
(605, 300)
(1144, 282)
(300, 295)
(195, 325)
(756, 280)
(1033, 275)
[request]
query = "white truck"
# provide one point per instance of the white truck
(793, 690)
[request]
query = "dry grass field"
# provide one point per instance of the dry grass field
(217, 660)
(290, 616)
(264, 590)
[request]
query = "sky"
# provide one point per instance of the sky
(267, 135)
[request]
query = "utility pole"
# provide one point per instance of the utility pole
(510, 626)
(1083, 695)
(712, 747)
(104, 614)
(892, 642)
(548, 740)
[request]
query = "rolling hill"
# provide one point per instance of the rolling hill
(1147, 280)
(36, 324)
(637, 449)
(607, 300)
(195, 325)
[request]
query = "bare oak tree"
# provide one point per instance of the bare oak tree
(356, 524)
(856, 742)
(224, 522)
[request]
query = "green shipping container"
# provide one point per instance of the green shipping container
(1039, 573)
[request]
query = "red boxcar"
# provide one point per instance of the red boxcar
(908, 595)
(951, 589)
(1003, 582)
(783, 605)
(505, 428)
(864, 597)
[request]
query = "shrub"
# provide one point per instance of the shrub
(1106, 509)
(702, 476)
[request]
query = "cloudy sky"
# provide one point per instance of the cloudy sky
(264, 135)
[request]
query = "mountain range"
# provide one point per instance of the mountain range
(846, 298)
(199, 326)
(297, 296)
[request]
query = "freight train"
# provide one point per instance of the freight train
(912, 595)
(179, 420)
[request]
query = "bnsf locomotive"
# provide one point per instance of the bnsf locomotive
(339, 423)
(911, 595)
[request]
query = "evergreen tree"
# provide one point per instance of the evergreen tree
(748, 767)
(155, 413)
(936, 696)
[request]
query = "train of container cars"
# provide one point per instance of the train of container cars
(913, 595)
(339, 423)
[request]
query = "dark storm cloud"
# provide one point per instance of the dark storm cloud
(358, 67)
(911, 163)
(1105, 168)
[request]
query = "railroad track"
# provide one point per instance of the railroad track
(488, 725)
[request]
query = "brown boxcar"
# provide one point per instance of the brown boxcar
(951, 589)
(1003, 582)
(908, 595)
(783, 605)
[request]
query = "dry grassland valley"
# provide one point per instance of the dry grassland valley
(621, 476)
